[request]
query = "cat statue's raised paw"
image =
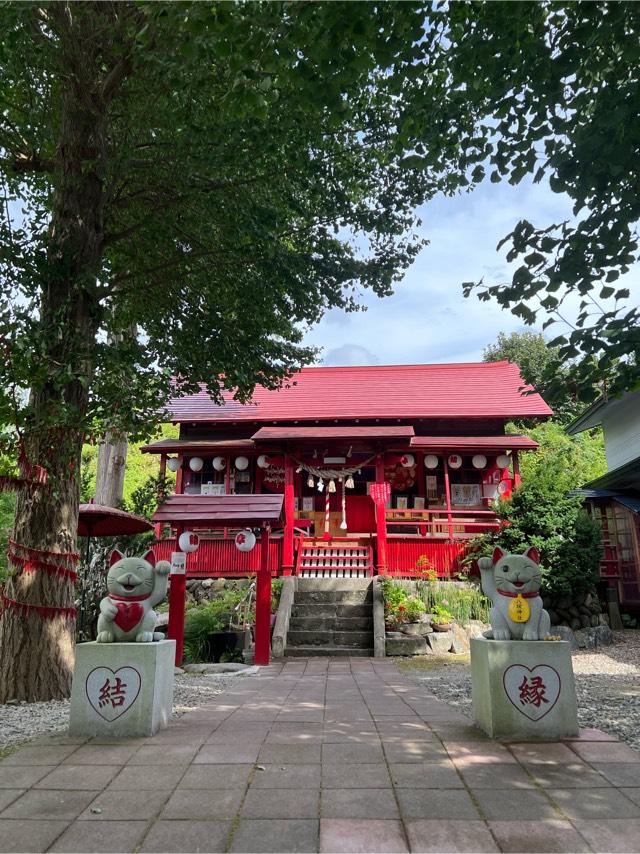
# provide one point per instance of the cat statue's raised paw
(512, 582)
(134, 586)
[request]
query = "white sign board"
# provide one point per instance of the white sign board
(178, 563)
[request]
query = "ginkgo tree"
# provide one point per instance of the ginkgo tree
(215, 176)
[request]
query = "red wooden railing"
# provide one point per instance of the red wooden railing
(435, 522)
(413, 558)
(221, 558)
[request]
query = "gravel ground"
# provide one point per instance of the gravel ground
(24, 721)
(607, 684)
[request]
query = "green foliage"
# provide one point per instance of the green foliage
(459, 601)
(559, 81)
(7, 506)
(276, 592)
(543, 514)
(283, 133)
(215, 616)
(414, 608)
(395, 598)
(441, 615)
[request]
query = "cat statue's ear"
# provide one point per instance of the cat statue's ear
(115, 557)
(150, 557)
(533, 554)
(497, 554)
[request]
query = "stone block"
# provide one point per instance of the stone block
(523, 690)
(460, 642)
(440, 642)
(406, 645)
(567, 635)
(122, 690)
(593, 637)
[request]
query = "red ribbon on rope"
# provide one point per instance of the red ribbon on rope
(27, 564)
(45, 612)
(69, 556)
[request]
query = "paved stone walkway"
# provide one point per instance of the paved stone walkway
(326, 755)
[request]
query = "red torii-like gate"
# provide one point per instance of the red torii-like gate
(186, 512)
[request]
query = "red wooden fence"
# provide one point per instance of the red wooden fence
(413, 557)
(221, 558)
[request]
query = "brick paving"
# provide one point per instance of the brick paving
(329, 755)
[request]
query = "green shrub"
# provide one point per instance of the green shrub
(464, 601)
(215, 616)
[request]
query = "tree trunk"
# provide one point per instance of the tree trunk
(37, 646)
(112, 456)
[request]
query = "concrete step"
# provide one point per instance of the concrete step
(332, 623)
(323, 585)
(328, 597)
(328, 651)
(330, 609)
(300, 637)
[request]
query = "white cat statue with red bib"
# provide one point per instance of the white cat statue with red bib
(134, 585)
(512, 582)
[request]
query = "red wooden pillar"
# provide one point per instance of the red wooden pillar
(179, 475)
(263, 603)
(289, 517)
(517, 477)
(381, 521)
(177, 596)
(447, 494)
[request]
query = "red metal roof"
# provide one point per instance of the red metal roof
(185, 446)
(267, 434)
(220, 510)
(472, 443)
(471, 390)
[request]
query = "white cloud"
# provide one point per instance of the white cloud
(428, 319)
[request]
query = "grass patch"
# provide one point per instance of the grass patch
(8, 750)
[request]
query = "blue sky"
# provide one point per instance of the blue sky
(428, 319)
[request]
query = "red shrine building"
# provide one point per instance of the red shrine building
(384, 469)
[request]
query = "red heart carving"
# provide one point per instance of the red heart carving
(129, 614)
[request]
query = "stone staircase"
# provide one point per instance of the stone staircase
(331, 616)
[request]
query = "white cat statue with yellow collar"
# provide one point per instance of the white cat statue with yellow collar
(134, 586)
(512, 582)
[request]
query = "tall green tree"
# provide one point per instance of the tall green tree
(562, 92)
(216, 175)
(538, 362)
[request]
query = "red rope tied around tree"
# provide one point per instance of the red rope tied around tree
(30, 565)
(43, 554)
(32, 476)
(45, 612)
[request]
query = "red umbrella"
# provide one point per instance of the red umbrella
(96, 520)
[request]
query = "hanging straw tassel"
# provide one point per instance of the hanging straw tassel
(332, 486)
(343, 524)
(311, 482)
(349, 482)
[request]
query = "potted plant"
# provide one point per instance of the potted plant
(414, 608)
(441, 618)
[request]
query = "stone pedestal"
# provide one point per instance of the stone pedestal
(122, 690)
(523, 690)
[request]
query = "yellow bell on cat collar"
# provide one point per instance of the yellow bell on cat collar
(519, 610)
